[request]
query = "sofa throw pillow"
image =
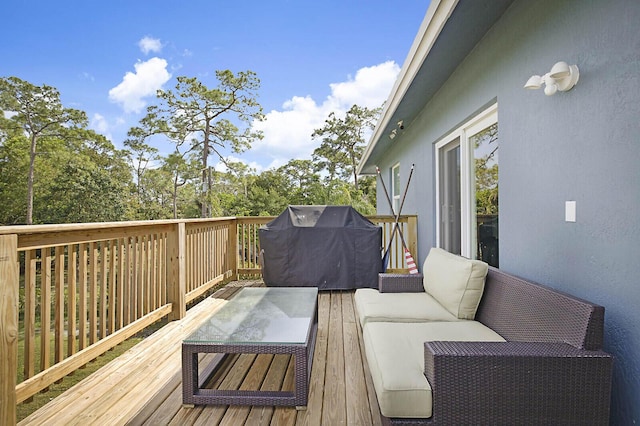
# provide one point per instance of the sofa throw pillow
(455, 282)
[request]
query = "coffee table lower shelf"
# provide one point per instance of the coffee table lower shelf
(192, 382)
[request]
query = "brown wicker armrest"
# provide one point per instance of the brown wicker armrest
(400, 283)
(517, 383)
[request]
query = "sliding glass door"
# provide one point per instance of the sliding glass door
(467, 189)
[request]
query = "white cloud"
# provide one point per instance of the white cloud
(370, 87)
(287, 133)
(100, 124)
(149, 76)
(148, 44)
(222, 167)
(87, 76)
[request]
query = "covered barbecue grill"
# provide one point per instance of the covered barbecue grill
(329, 247)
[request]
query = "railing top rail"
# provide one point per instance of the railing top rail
(389, 218)
(64, 227)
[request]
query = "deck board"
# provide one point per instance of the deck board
(144, 385)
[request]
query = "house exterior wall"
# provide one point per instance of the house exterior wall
(582, 145)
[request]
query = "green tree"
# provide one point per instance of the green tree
(343, 142)
(207, 120)
(486, 170)
(182, 171)
(140, 155)
(87, 180)
(14, 162)
(305, 185)
(268, 193)
(38, 112)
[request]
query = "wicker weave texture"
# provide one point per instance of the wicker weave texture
(400, 283)
(523, 311)
(518, 383)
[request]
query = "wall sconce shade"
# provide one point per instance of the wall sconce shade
(559, 70)
(534, 82)
(562, 77)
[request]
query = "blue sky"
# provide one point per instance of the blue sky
(108, 58)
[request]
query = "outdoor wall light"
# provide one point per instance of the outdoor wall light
(394, 132)
(562, 77)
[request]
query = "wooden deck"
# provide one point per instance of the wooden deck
(144, 386)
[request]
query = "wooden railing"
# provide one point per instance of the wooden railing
(69, 293)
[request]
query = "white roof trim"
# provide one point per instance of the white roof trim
(436, 17)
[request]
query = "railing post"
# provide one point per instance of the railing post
(412, 236)
(233, 250)
(9, 286)
(176, 271)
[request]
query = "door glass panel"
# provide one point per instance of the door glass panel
(450, 215)
(395, 178)
(485, 222)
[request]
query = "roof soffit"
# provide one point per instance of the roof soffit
(447, 35)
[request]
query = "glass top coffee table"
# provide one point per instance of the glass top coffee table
(257, 320)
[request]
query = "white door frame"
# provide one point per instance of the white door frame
(467, 171)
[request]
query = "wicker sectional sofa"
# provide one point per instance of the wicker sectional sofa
(464, 343)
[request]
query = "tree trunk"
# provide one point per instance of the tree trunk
(206, 175)
(355, 173)
(175, 199)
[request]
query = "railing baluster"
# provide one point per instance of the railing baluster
(104, 254)
(120, 293)
(93, 293)
(72, 265)
(59, 304)
(140, 276)
(82, 294)
(30, 263)
(45, 309)
(127, 282)
(112, 286)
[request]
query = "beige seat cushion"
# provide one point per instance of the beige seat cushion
(455, 282)
(372, 305)
(395, 354)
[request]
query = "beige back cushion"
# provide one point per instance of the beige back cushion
(455, 282)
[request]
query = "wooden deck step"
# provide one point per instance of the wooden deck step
(144, 386)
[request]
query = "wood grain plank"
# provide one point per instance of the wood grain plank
(72, 291)
(93, 293)
(283, 416)
(82, 295)
(9, 289)
(45, 310)
(104, 259)
(358, 410)
(273, 381)
(30, 263)
(59, 305)
(376, 419)
(313, 414)
(334, 407)
(113, 255)
(253, 381)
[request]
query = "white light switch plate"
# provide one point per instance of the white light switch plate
(570, 211)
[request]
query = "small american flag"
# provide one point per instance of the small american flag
(411, 264)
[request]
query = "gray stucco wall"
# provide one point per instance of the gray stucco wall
(583, 145)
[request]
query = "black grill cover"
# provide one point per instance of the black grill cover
(329, 247)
